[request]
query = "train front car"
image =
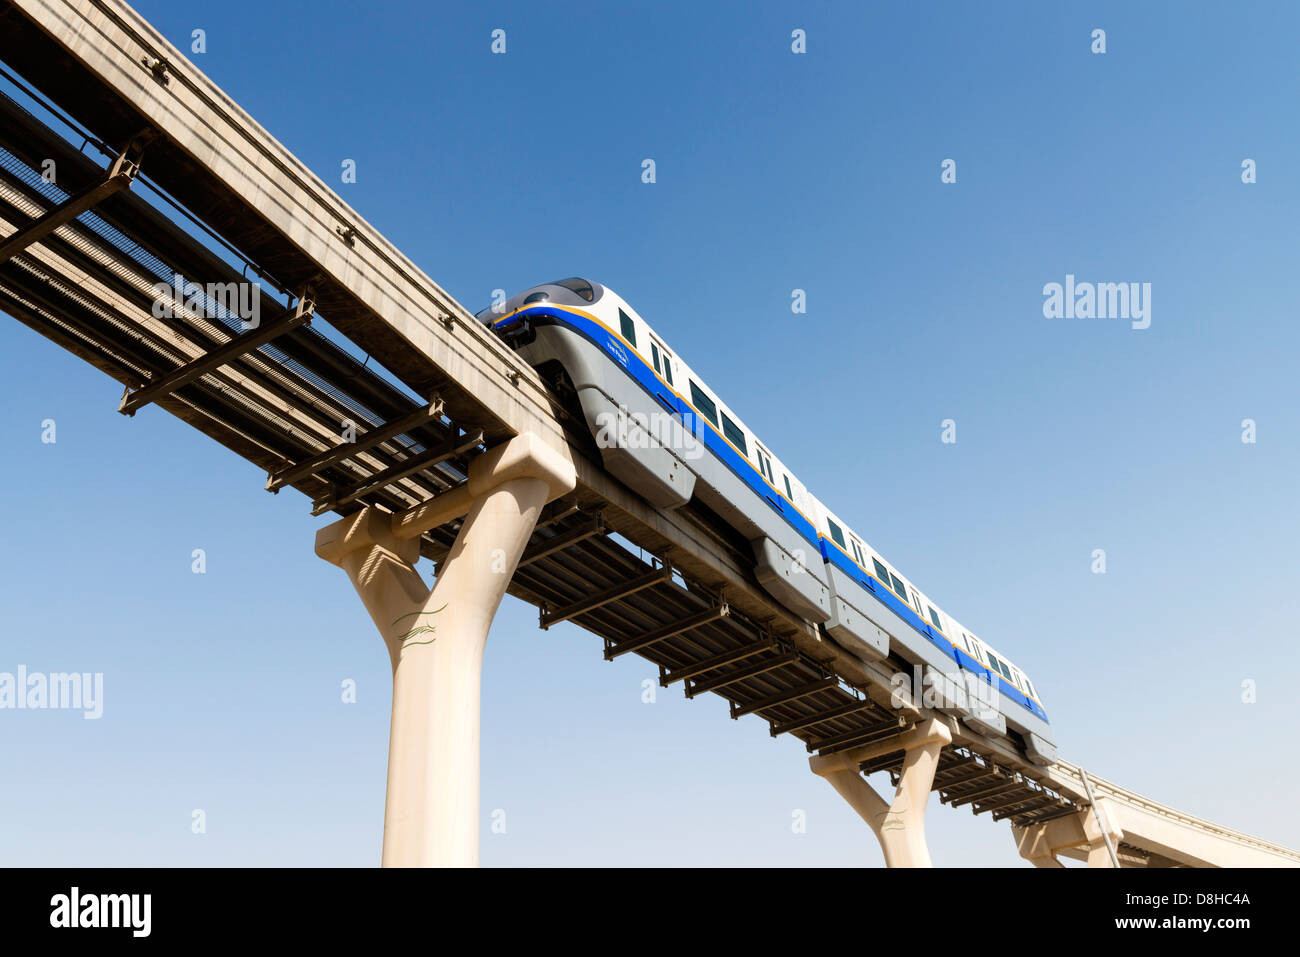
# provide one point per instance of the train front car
(586, 330)
(633, 393)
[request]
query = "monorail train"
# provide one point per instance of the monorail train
(626, 378)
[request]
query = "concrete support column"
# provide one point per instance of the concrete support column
(899, 825)
(435, 638)
(1034, 846)
(1078, 836)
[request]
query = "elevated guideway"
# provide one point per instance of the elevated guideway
(1142, 832)
(426, 436)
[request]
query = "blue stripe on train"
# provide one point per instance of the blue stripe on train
(644, 376)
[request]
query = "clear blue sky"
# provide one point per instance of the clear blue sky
(775, 171)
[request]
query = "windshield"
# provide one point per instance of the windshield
(580, 286)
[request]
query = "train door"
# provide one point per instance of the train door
(1015, 678)
(790, 493)
(662, 360)
(764, 463)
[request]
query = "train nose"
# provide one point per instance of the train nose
(504, 307)
(499, 308)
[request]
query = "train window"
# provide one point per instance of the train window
(654, 355)
(764, 463)
(899, 586)
(916, 600)
(580, 286)
(881, 572)
(993, 661)
(934, 617)
(789, 492)
(628, 327)
(734, 435)
(857, 552)
(1032, 692)
(703, 403)
(836, 533)
(537, 297)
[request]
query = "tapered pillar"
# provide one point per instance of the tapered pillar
(435, 638)
(1034, 844)
(899, 825)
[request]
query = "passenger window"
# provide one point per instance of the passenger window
(789, 492)
(764, 463)
(934, 617)
(628, 327)
(899, 586)
(836, 533)
(857, 552)
(993, 661)
(881, 572)
(734, 435)
(703, 403)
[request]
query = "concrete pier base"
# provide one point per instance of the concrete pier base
(899, 824)
(1079, 836)
(436, 637)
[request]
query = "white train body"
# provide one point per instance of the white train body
(667, 435)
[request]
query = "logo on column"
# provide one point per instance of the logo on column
(418, 628)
